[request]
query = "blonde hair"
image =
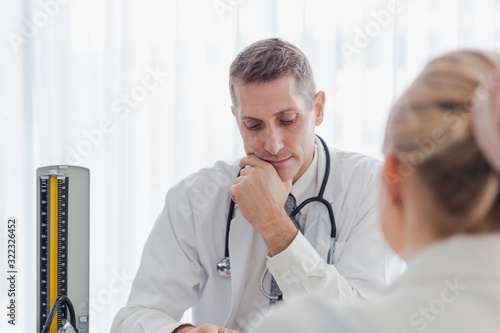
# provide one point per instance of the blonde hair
(429, 131)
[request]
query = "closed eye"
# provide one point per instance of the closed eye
(253, 127)
(287, 122)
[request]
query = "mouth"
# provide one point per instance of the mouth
(280, 162)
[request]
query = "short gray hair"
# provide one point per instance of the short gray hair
(270, 59)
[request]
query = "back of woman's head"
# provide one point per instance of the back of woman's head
(435, 132)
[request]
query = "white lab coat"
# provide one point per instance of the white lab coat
(450, 286)
(178, 267)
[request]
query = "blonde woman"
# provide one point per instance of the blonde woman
(440, 209)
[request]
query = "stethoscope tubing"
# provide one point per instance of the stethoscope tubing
(318, 198)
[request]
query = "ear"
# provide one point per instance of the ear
(235, 114)
(319, 106)
(393, 179)
(392, 207)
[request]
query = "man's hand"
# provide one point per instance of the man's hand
(261, 194)
(206, 328)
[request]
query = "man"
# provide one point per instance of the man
(276, 107)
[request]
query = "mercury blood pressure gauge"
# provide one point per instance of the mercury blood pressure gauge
(62, 243)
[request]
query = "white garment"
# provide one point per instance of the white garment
(304, 187)
(449, 286)
(178, 267)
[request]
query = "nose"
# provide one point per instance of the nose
(273, 141)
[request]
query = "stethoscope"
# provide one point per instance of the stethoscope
(224, 264)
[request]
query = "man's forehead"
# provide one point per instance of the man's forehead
(279, 96)
(274, 114)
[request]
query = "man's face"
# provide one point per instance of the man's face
(276, 124)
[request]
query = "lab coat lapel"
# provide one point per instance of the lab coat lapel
(333, 187)
(240, 249)
(334, 184)
(318, 226)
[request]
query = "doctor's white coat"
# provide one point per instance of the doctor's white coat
(178, 266)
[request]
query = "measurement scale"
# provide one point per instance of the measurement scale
(62, 243)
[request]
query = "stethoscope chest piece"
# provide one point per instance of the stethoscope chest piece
(224, 267)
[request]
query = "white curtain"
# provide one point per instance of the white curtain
(137, 91)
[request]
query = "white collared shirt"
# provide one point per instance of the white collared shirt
(304, 186)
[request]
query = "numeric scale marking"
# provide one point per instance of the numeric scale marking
(53, 245)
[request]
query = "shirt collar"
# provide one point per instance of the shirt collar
(304, 186)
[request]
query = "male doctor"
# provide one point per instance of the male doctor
(276, 107)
